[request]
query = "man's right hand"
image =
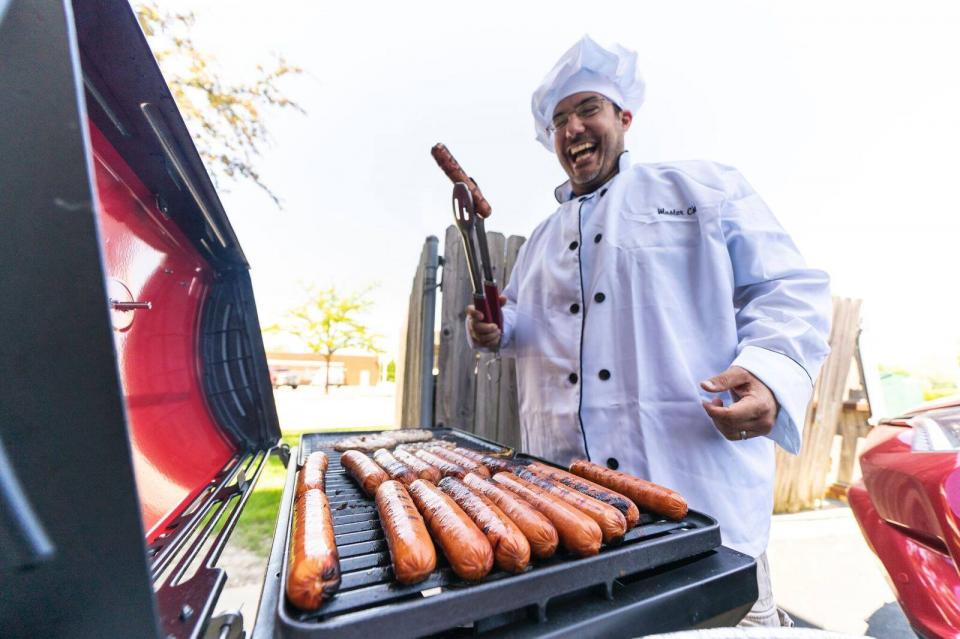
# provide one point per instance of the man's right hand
(484, 334)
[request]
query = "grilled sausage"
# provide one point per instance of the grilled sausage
(462, 461)
(364, 470)
(314, 571)
(493, 463)
(446, 468)
(535, 526)
(465, 546)
(612, 523)
(645, 494)
(455, 172)
(422, 468)
(578, 533)
(394, 467)
(511, 550)
(313, 472)
(411, 549)
(587, 487)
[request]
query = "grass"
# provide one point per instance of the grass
(255, 529)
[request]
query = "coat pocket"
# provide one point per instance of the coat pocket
(661, 227)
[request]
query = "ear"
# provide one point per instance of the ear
(626, 119)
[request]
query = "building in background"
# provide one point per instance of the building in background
(347, 368)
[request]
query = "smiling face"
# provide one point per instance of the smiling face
(589, 147)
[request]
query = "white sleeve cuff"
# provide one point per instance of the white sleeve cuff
(790, 385)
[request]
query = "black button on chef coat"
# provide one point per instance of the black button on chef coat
(613, 464)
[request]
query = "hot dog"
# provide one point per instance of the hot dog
(446, 468)
(511, 550)
(587, 487)
(364, 470)
(455, 172)
(578, 533)
(465, 546)
(422, 468)
(462, 461)
(493, 464)
(314, 571)
(312, 473)
(394, 467)
(411, 549)
(535, 526)
(645, 494)
(612, 523)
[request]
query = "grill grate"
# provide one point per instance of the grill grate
(367, 585)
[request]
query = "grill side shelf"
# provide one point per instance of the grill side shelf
(369, 597)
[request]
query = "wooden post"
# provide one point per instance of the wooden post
(801, 480)
(488, 364)
(456, 383)
(409, 366)
(508, 421)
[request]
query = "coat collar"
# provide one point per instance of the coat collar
(564, 192)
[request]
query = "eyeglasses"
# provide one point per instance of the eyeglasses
(585, 110)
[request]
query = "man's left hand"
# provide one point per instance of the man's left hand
(754, 409)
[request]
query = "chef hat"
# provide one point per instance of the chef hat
(588, 67)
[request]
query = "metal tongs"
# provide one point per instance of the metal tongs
(486, 295)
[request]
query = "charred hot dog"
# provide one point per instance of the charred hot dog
(612, 523)
(455, 172)
(468, 464)
(394, 467)
(364, 470)
(411, 549)
(313, 472)
(465, 546)
(314, 571)
(535, 526)
(645, 494)
(587, 487)
(511, 550)
(422, 468)
(578, 533)
(446, 468)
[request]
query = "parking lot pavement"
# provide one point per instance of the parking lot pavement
(826, 576)
(308, 408)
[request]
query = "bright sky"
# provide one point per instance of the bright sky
(845, 117)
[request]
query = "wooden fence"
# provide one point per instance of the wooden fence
(802, 480)
(467, 380)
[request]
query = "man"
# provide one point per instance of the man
(663, 322)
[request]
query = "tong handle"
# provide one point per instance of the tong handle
(492, 297)
(480, 303)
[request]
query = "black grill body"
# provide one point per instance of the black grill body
(665, 575)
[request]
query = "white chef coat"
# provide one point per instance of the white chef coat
(679, 271)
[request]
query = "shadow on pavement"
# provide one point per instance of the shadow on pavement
(889, 622)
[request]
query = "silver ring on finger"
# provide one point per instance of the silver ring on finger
(743, 434)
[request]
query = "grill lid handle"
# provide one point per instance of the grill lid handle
(32, 545)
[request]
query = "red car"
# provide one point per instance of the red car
(908, 507)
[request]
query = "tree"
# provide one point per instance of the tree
(225, 119)
(329, 321)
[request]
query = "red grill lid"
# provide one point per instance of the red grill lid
(190, 354)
